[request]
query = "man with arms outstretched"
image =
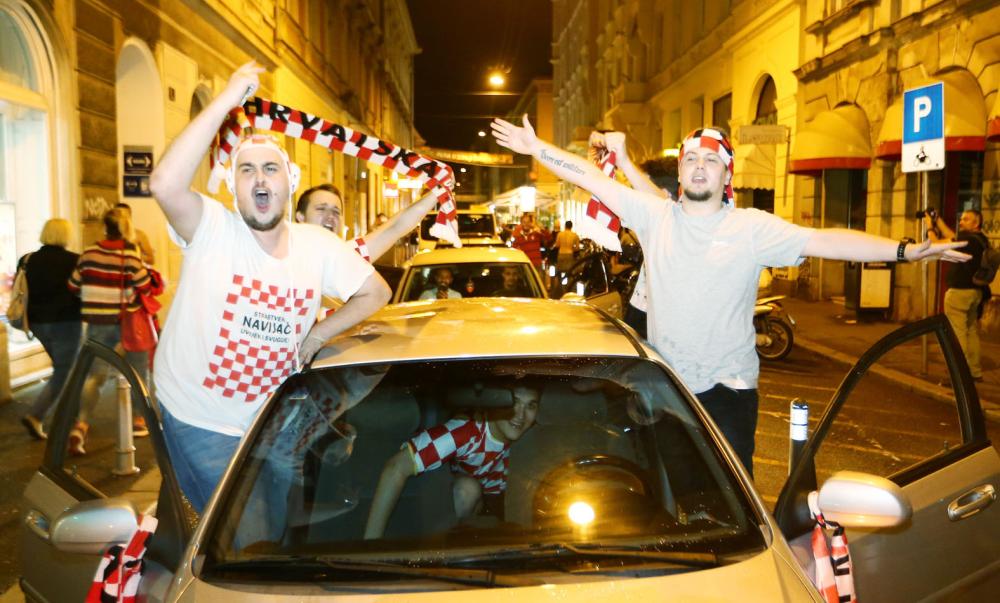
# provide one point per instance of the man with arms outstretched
(703, 258)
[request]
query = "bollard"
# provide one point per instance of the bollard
(5, 393)
(798, 430)
(125, 452)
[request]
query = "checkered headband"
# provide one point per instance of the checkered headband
(267, 142)
(710, 138)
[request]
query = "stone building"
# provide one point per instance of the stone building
(825, 78)
(87, 84)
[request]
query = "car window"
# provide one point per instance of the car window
(99, 411)
(614, 454)
(884, 429)
(587, 277)
(469, 225)
(471, 279)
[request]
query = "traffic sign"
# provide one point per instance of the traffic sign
(923, 128)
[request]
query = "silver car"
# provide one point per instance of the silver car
(617, 487)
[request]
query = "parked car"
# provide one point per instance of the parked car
(477, 227)
(475, 272)
(622, 489)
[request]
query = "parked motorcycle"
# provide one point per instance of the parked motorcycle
(773, 326)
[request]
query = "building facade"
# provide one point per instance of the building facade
(91, 89)
(811, 93)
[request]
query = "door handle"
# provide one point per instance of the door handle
(37, 524)
(971, 502)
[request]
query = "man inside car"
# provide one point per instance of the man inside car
(476, 448)
(442, 278)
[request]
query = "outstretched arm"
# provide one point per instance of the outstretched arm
(384, 237)
(397, 470)
(858, 246)
(372, 295)
(566, 166)
(615, 142)
(171, 181)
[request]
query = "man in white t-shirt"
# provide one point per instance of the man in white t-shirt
(244, 315)
(703, 260)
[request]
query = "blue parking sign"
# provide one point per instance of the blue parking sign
(923, 128)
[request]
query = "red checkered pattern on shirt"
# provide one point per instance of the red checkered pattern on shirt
(464, 443)
(252, 369)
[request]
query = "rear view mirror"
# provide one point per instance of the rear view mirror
(861, 500)
(94, 525)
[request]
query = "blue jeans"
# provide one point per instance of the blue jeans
(735, 413)
(199, 457)
(109, 335)
(61, 341)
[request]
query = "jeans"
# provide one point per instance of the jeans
(735, 413)
(109, 335)
(61, 341)
(199, 457)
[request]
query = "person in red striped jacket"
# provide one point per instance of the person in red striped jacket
(109, 276)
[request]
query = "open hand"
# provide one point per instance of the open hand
(518, 139)
(946, 252)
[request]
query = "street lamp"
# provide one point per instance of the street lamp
(497, 80)
(482, 134)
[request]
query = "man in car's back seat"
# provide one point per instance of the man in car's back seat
(477, 449)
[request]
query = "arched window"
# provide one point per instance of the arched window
(766, 114)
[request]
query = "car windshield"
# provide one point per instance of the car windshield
(471, 279)
(469, 225)
(507, 466)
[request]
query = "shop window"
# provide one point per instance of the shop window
(846, 193)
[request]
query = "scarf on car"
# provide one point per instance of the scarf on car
(834, 577)
(120, 570)
(263, 114)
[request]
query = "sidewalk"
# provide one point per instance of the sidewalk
(827, 328)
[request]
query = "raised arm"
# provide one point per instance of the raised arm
(384, 237)
(615, 142)
(858, 246)
(372, 295)
(397, 470)
(171, 180)
(937, 230)
(565, 165)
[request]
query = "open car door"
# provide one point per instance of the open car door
(942, 459)
(75, 507)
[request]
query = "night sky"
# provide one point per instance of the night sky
(460, 41)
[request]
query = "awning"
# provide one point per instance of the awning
(964, 119)
(834, 140)
(993, 126)
(754, 166)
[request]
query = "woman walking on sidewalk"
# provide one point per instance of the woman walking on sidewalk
(109, 277)
(53, 313)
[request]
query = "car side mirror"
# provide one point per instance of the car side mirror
(861, 500)
(94, 525)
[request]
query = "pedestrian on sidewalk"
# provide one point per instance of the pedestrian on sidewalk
(703, 258)
(53, 313)
(109, 277)
(251, 280)
(964, 300)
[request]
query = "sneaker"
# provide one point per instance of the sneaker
(34, 427)
(139, 429)
(77, 437)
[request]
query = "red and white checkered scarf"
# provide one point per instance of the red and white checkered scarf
(598, 222)
(834, 577)
(264, 114)
(118, 574)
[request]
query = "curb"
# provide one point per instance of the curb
(909, 382)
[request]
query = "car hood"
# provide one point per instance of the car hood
(768, 577)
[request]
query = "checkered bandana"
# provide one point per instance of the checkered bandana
(263, 114)
(710, 138)
(258, 141)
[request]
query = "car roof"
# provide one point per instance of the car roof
(454, 255)
(479, 327)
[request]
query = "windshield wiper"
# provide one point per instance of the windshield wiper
(566, 550)
(476, 577)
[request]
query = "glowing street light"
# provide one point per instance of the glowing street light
(482, 133)
(497, 80)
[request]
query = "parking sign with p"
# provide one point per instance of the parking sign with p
(923, 128)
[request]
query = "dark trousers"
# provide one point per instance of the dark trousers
(735, 412)
(636, 318)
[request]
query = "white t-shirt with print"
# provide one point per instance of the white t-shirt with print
(239, 314)
(702, 274)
